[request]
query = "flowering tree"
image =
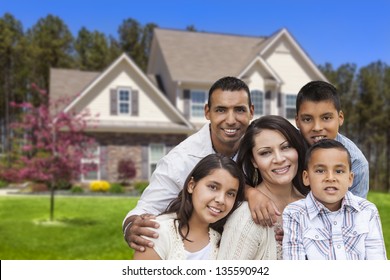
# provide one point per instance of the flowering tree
(52, 144)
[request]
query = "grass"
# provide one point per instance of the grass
(85, 228)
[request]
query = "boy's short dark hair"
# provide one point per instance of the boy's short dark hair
(326, 144)
(230, 84)
(317, 91)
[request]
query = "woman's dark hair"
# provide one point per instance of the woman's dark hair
(280, 124)
(183, 205)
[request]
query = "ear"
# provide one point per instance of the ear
(351, 176)
(254, 163)
(297, 121)
(341, 118)
(191, 185)
(207, 111)
(305, 177)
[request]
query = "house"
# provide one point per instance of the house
(143, 115)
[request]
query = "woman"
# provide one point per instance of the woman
(190, 229)
(271, 154)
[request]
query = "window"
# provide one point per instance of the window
(124, 99)
(156, 152)
(290, 106)
(257, 97)
(198, 100)
(91, 165)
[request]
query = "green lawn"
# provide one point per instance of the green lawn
(85, 228)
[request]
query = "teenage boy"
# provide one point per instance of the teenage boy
(319, 116)
(331, 223)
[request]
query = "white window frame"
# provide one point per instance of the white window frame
(262, 101)
(128, 102)
(192, 104)
(95, 160)
(289, 106)
(152, 160)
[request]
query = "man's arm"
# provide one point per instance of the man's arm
(164, 186)
(135, 226)
(263, 209)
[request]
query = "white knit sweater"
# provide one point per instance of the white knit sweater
(169, 244)
(242, 239)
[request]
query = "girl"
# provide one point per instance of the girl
(271, 155)
(191, 226)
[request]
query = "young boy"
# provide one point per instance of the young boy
(331, 223)
(319, 116)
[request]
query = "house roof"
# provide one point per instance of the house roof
(205, 57)
(68, 83)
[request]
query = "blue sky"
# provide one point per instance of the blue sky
(334, 31)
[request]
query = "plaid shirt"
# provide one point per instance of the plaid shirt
(311, 231)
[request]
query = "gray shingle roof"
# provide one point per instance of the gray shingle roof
(67, 83)
(205, 57)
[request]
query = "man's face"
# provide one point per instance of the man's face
(229, 116)
(318, 120)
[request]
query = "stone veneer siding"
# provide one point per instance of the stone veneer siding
(117, 146)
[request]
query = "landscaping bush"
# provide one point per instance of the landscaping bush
(76, 189)
(140, 186)
(116, 188)
(99, 186)
(3, 184)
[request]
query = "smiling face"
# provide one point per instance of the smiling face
(229, 115)
(329, 176)
(213, 196)
(318, 120)
(275, 158)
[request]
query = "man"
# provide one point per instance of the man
(229, 110)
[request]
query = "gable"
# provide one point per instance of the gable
(154, 112)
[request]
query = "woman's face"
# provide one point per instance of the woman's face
(275, 158)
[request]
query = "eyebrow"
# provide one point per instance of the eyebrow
(286, 141)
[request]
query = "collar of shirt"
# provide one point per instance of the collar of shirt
(314, 207)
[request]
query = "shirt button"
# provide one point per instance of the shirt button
(317, 237)
(354, 233)
(338, 246)
(335, 223)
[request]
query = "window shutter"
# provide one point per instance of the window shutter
(145, 163)
(113, 102)
(134, 103)
(186, 99)
(103, 163)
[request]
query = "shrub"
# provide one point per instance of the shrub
(76, 189)
(3, 184)
(116, 188)
(99, 186)
(140, 186)
(126, 170)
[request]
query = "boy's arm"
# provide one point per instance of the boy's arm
(262, 208)
(293, 248)
(375, 246)
(361, 179)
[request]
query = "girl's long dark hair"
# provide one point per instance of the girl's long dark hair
(183, 206)
(280, 124)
